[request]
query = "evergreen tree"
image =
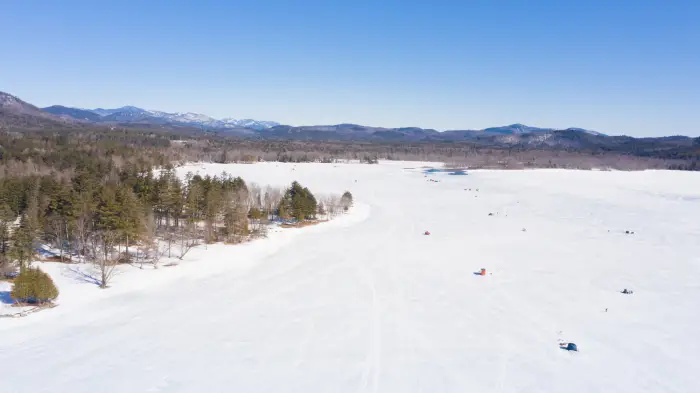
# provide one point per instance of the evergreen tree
(143, 187)
(59, 216)
(194, 201)
(346, 200)
(108, 211)
(174, 200)
(298, 202)
(213, 207)
(32, 213)
(167, 200)
(7, 217)
(255, 213)
(131, 218)
(310, 204)
(34, 286)
(22, 250)
(283, 210)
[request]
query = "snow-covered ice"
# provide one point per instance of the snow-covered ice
(368, 303)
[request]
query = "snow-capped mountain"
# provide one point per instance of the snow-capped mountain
(248, 123)
(132, 114)
(188, 118)
(107, 112)
(519, 129)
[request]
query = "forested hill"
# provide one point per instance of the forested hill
(18, 114)
(35, 142)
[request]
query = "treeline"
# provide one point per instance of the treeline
(63, 153)
(59, 151)
(136, 215)
(474, 155)
(95, 196)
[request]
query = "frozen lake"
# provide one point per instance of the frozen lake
(369, 303)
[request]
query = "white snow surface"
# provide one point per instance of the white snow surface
(366, 302)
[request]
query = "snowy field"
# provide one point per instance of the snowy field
(367, 303)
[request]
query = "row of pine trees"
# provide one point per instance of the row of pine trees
(113, 217)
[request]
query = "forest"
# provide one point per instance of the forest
(110, 195)
(115, 198)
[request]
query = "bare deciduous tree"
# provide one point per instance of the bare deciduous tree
(333, 207)
(104, 258)
(187, 241)
(255, 196)
(272, 199)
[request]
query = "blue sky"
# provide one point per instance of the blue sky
(616, 67)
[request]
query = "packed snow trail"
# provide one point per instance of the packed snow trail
(373, 305)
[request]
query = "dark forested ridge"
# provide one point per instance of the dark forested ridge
(35, 140)
(512, 146)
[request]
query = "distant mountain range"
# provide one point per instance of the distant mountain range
(511, 135)
(134, 115)
(131, 116)
(16, 113)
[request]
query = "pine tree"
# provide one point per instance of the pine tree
(194, 202)
(131, 218)
(6, 219)
(34, 286)
(143, 187)
(22, 250)
(282, 210)
(298, 202)
(255, 213)
(175, 200)
(310, 204)
(32, 213)
(108, 214)
(59, 214)
(167, 196)
(213, 208)
(298, 206)
(346, 200)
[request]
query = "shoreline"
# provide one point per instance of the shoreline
(202, 261)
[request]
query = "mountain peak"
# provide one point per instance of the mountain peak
(74, 113)
(124, 109)
(8, 101)
(129, 108)
(134, 115)
(16, 111)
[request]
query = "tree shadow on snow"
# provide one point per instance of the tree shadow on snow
(81, 276)
(5, 297)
